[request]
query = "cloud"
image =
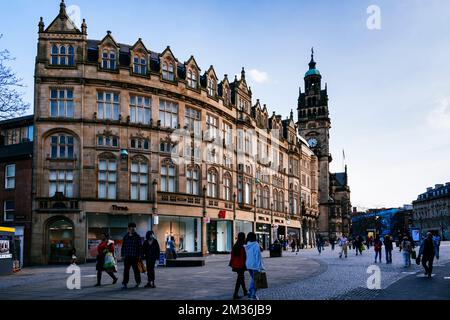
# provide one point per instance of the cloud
(259, 76)
(439, 117)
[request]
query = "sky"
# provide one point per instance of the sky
(389, 87)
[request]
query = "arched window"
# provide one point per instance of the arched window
(168, 176)
(140, 65)
(212, 190)
(168, 71)
(280, 201)
(62, 146)
(259, 197)
(275, 199)
(109, 60)
(193, 180)
(227, 186)
(139, 180)
(192, 79)
(107, 178)
(211, 87)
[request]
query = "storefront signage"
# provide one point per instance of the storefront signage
(222, 214)
(119, 208)
(206, 220)
(155, 220)
(6, 256)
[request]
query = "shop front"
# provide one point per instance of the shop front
(243, 226)
(6, 250)
(263, 235)
(186, 231)
(219, 236)
(293, 233)
(116, 225)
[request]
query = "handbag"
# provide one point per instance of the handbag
(141, 266)
(110, 262)
(413, 254)
(260, 280)
(418, 260)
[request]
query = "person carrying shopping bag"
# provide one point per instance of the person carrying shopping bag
(105, 259)
(253, 262)
(237, 263)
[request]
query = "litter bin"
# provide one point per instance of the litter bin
(6, 250)
(275, 250)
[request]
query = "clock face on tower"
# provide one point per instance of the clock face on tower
(312, 142)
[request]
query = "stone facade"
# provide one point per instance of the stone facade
(124, 134)
(431, 211)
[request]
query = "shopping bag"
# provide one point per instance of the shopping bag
(141, 266)
(418, 260)
(260, 279)
(110, 262)
(413, 254)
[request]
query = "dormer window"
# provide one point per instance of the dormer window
(168, 71)
(211, 87)
(139, 65)
(192, 79)
(109, 60)
(63, 55)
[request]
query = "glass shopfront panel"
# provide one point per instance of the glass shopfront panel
(116, 226)
(219, 236)
(185, 230)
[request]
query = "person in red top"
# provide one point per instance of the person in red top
(103, 248)
(237, 263)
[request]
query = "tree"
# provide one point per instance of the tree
(11, 100)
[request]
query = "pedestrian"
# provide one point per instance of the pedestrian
(237, 263)
(428, 250)
(406, 247)
(293, 245)
(131, 252)
(332, 242)
(377, 244)
(298, 244)
(437, 240)
(368, 243)
(358, 245)
(151, 251)
(343, 243)
(105, 247)
(388, 247)
(253, 262)
(319, 244)
(73, 256)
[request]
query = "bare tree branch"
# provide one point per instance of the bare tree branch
(11, 100)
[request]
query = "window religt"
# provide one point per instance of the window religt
(63, 55)
(62, 147)
(61, 103)
(108, 105)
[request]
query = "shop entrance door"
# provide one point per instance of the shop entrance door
(60, 240)
(211, 232)
(263, 239)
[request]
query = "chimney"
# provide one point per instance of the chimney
(447, 184)
(437, 186)
(429, 189)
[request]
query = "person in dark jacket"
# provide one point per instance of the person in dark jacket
(106, 246)
(237, 263)
(428, 250)
(388, 247)
(151, 252)
(357, 244)
(131, 253)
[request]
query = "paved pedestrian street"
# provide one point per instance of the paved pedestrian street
(303, 276)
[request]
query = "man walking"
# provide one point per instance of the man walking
(388, 247)
(428, 250)
(131, 253)
(343, 241)
(405, 246)
(377, 244)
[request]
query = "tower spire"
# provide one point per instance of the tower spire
(62, 9)
(312, 63)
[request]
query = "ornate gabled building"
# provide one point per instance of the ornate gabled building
(314, 124)
(123, 133)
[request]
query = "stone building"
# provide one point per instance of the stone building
(123, 133)
(314, 124)
(431, 211)
(16, 163)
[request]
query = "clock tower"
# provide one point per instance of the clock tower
(314, 125)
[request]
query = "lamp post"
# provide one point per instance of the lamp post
(234, 216)
(254, 215)
(204, 245)
(271, 223)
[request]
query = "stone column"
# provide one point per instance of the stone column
(204, 245)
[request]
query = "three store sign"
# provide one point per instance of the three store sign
(222, 215)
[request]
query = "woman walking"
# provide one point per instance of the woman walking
(253, 262)
(106, 247)
(377, 244)
(151, 252)
(237, 263)
(405, 246)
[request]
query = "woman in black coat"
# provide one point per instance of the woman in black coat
(151, 252)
